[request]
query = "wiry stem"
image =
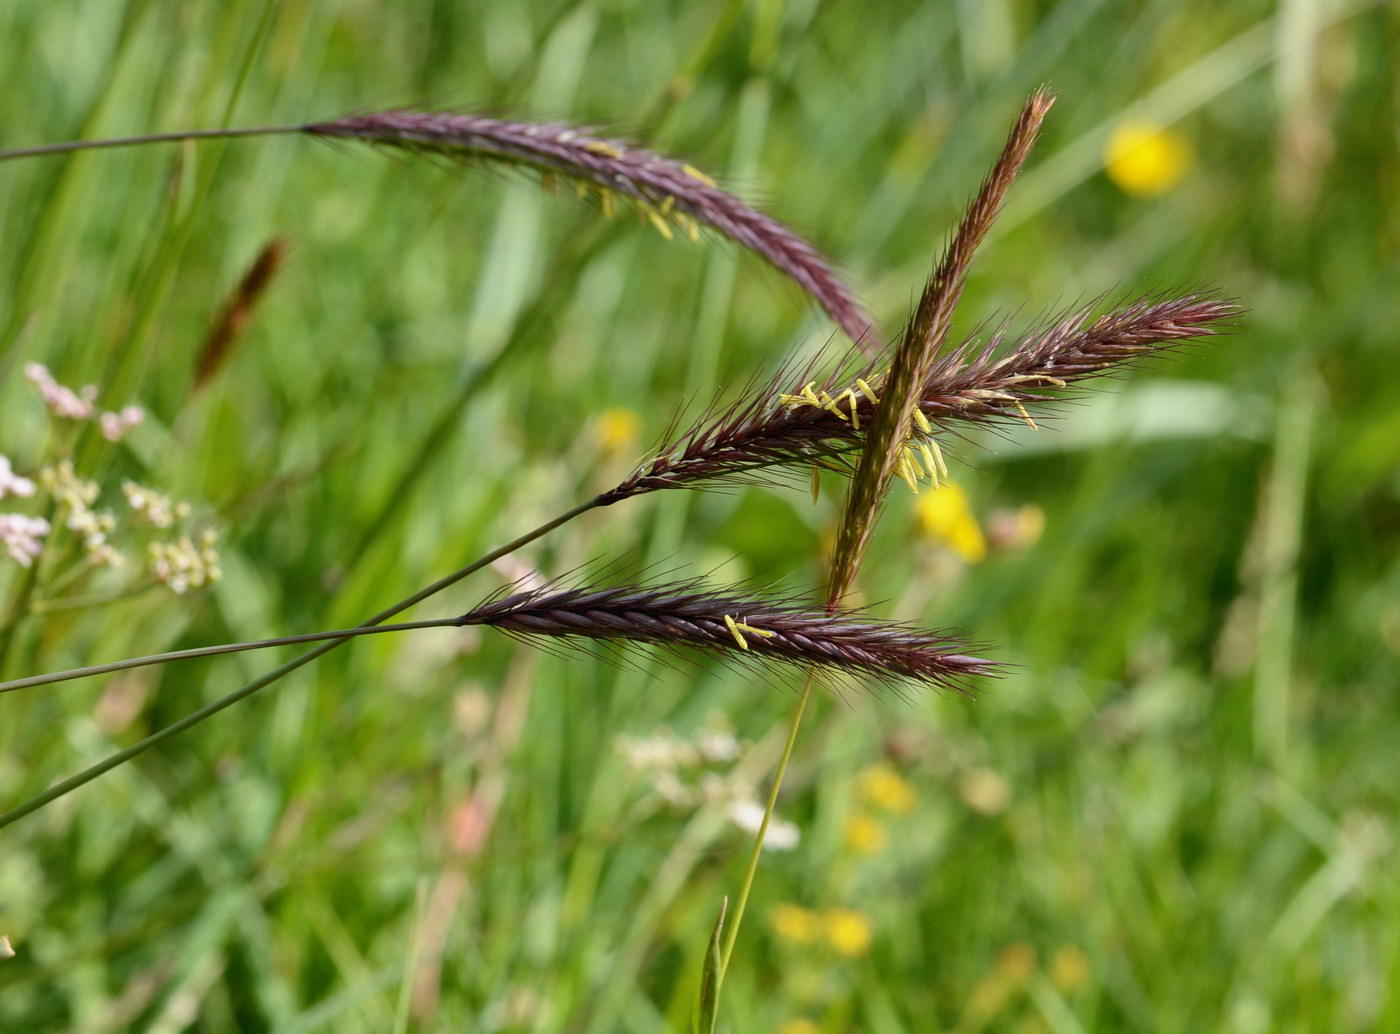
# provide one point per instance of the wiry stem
(742, 900)
(87, 775)
(893, 418)
(214, 651)
(146, 138)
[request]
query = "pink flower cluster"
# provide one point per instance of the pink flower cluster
(78, 405)
(20, 535)
(115, 425)
(11, 483)
(64, 402)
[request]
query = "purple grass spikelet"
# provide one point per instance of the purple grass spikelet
(669, 195)
(738, 625)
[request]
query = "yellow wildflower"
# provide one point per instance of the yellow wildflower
(1145, 159)
(848, 932)
(799, 1025)
(617, 429)
(1069, 969)
(794, 923)
(865, 835)
(886, 789)
(946, 515)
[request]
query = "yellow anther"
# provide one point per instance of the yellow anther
(696, 174)
(930, 463)
(1024, 415)
(816, 484)
(850, 396)
(907, 473)
(809, 395)
(606, 199)
(922, 421)
(1033, 378)
(662, 227)
(598, 147)
(736, 628)
(868, 392)
(829, 404)
(938, 458)
(733, 627)
(581, 188)
(667, 203)
(692, 229)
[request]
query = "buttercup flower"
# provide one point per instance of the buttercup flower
(946, 516)
(1145, 159)
(865, 835)
(617, 429)
(883, 787)
(847, 931)
(795, 923)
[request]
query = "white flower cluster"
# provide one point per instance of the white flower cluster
(153, 507)
(680, 772)
(182, 565)
(76, 496)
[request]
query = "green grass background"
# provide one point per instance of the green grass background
(1199, 740)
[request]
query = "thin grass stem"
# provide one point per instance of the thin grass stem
(214, 651)
(743, 898)
(69, 146)
(87, 775)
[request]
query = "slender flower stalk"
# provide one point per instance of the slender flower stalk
(194, 653)
(668, 195)
(884, 444)
(169, 732)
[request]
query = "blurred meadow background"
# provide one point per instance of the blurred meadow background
(1179, 810)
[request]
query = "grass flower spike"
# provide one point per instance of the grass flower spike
(734, 624)
(669, 195)
(887, 451)
(780, 428)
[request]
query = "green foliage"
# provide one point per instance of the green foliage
(1178, 813)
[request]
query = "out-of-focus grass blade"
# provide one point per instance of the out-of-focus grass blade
(707, 1002)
